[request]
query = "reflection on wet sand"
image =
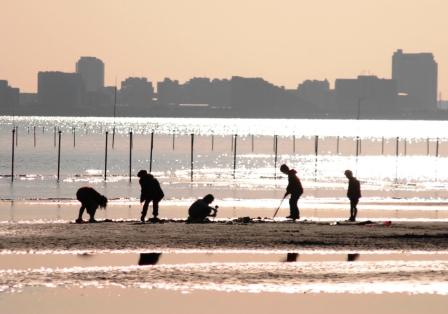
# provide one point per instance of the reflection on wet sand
(22, 261)
(352, 257)
(149, 258)
(292, 257)
(233, 272)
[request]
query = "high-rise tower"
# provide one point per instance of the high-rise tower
(416, 77)
(91, 70)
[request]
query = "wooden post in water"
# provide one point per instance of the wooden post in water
(12, 153)
(17, 135)
(294, 144)
(275, 155)
(397, 151)
(59, 155)
(252, 143)
(274, 143)
(113, 137)
(437, 147)
(397, 146)
(234, 156)
(357, 154)
(316, 152)
(213, 142)
(74, 136)
(174, 139)
(427, 146)
(337, 145)
(405, 146)
(105, 156)
(191, 156)
(360, 146)
(231, 144)
(34, 136)
(150, 151)
(130, 156)
(437, 157)
(357, 147)
(382, 145)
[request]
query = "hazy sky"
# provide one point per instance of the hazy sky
(283, 41)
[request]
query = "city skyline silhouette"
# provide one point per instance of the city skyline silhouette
(410, 93)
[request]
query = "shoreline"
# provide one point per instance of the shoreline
(35, 212)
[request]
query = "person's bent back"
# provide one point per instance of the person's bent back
(90, 200)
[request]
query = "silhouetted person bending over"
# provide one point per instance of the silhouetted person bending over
(150, 191)
(295, 189)
(90, 199)
(201, 209)
(353, 194)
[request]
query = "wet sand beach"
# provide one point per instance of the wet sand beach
(86, 300)
(224, 234)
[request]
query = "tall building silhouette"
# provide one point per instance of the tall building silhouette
(60, 93)
(416, 77)
(366, 96)
(169, 92)
(9, 98)
(136, 93)
(91, 70)
(318, 94)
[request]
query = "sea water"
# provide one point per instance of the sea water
(235, 159)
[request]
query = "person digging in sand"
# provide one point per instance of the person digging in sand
(353, 194)
(201, 209)
(90, 200)
(150, 191)
(294, 189)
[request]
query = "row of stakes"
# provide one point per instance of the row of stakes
(358, 141)
(233, 149)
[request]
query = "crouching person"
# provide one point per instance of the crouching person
(201, 209)
(90, 200)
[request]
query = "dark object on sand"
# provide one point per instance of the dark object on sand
(201, 209)
(244, 220)
(149, 259)
(150, 192)
(385, 223)
(90, 200)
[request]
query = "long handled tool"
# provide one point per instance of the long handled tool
(278, 208)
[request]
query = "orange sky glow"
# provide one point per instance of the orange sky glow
(283, 41)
